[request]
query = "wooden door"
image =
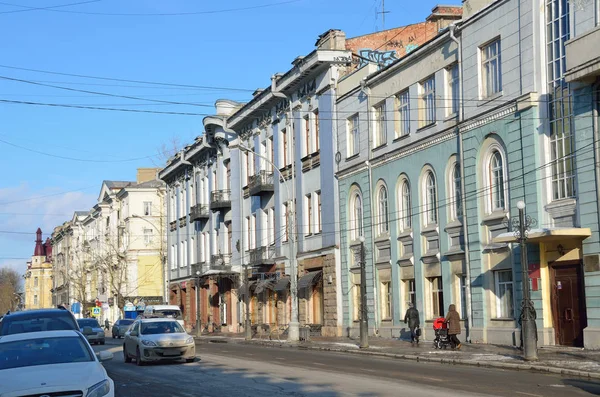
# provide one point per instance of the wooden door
(568, 304)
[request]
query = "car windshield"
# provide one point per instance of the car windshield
(161, 327)
(36, 322)
(168, 313)
(88, 322)
(43, 351)
(125, 322)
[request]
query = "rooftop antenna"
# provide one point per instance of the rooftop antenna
(383, 12)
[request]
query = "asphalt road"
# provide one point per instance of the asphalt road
(250, 370)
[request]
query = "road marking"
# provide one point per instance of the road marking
(529, 394)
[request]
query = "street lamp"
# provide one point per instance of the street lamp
(198, 330)
(364, 321)
(528, 315)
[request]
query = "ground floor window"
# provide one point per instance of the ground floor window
(386, 300)
(316, 304)
(463, 296)
(504, 294)
(437, 297)
(410, 294)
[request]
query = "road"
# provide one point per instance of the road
(250, 370)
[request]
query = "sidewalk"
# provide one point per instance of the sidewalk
(558, 360)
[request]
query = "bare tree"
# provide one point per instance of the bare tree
(167, 150)
(10, 286)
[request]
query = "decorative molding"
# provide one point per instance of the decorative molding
(485, 120)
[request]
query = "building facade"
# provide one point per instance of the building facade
(39, 275)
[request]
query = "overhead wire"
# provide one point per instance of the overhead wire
(49, 8)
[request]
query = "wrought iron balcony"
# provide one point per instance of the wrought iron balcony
(182, 221)
(220, 262)
(261, 183)
(311, 161)
(199, 211)
(220, 199)
(173, 226)
(262, 255)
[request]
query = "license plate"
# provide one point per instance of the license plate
(171, 352)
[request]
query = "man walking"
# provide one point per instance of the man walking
(412, 318)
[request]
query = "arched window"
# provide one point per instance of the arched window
(496, 181)
(430, 198)
(405, 210)
(383, 210)
(356, 217)
(457, 193)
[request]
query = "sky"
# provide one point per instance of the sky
(54, 158)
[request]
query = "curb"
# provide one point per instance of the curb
(412, 357)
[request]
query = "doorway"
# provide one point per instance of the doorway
(568, 303)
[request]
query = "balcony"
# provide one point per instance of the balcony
(220, 199)
(311, 161)
(220, 262)
(199, 211)
(173, 226)
(261, 183)
(583, 57)
(182, 221)
(262, 256)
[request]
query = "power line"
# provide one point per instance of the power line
(227, 10)
(51, 8)
(47, 195)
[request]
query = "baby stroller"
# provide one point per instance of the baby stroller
(442, 340)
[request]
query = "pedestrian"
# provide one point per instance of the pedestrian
(106, 324)
(412, 318)
(453, 319)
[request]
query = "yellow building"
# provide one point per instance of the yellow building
(38, 277)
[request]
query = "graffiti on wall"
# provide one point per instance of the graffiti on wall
(382, 58)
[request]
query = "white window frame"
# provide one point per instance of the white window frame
(404, 203)
(436, 289)
(148, 236)
(500, 310)
(491, 68)
(490, 187)
(284, 222)
(356, 215)
(452, 88)
(307, 134)
(309, 214)
(271, 225)
(147, 208)
(386, 300)
(319, 225)
(430, 198)
(353, 134)
(403, 107)
(427, 98)
(383, 221)
(454, 184)
(379, 125)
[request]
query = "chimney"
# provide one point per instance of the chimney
(333, 39)
(444, 16)
(146, 174)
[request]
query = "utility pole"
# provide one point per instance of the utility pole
(247, 323)
(528, 328)
(198, 322)
(364, 320)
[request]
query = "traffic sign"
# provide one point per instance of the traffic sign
(96, 311)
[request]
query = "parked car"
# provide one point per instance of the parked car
(158, 339)
(164, 311)
(52, 363)
(37, 320)
(92, 330)
(120, 328)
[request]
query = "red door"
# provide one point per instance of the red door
(568, 304)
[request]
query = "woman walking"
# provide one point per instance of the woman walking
(412, 317)
(453, 319)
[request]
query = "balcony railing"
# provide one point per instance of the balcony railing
(199, 211)
(311, 161)
(261, 183)
(220, 199)
(262, 255)
(220, 262)
(182, 221)
(173, 226)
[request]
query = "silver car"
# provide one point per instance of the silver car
(158, 339)
(120, 328)
(92, 331)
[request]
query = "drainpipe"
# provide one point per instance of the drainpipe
(294, 327)
(169, 241)
(468, 297)
(366, 91)
(596, 137)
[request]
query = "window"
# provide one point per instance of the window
(356, 220)
(173, 258)
(147, 236)
(316, 118)
(491, 67)
(496, 181)
(437, 297)
(430, 199)
(380, 132)
(504, 294)
(35, 299)
(452, 89)
(427, 113)
(405, 210)
(319, 224)
(383, 210)
(247, 227)
(403, 122)
(253, 231)
(307, 144)
(386, 300)
(35, 281)
(309, 213)
(455, 182)
(286, 232)
(147, 208)
(561, 143)
(411, 295)
(353, 135)
(271, 155)
(271, 225)
(284, 151)
(463, 296)
(193, 250)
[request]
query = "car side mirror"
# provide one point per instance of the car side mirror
(133, 333)
(88, 331)
(104, 356)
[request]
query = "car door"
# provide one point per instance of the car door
(131, 340)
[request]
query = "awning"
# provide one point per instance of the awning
(310, 279)
(546, 235)
(282, 284)
(263, 285)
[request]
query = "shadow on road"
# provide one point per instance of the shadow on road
(585, 385)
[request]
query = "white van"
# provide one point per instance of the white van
(164, 311)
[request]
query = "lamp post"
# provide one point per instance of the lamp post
(247, 323)
(528, 315)
(364, 320)
(198, 322)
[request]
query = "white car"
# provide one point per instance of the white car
(158, 339)
(52, 363)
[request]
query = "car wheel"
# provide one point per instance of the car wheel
(125, 355)
(138, 357)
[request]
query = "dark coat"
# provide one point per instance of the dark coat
(412, 317)
(453, 319)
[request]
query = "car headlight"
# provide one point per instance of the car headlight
(148, 343)
(99, 389)
(189, 340)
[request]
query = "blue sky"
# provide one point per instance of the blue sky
(237, 49)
